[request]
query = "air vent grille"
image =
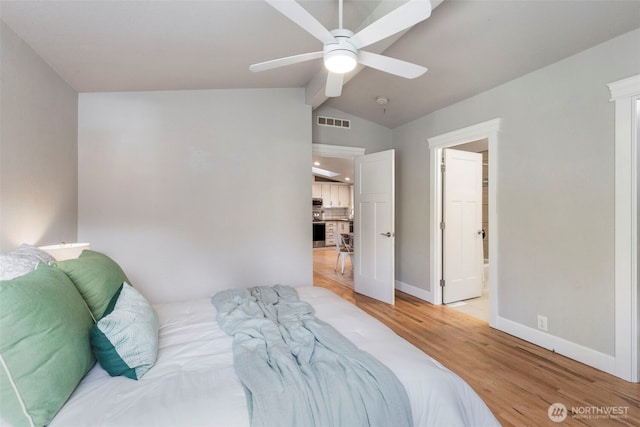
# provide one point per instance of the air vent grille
(333, 122)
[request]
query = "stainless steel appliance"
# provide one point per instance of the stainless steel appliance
(316, 209)
(318, 225)
(318, 234)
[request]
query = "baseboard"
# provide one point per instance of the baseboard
(415, 291)
(582, 354)
(588, 356)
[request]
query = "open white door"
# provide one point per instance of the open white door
(374, 269)
(462, 230)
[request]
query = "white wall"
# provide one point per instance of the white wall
(197, 191)
(38, 149)
(556, 152)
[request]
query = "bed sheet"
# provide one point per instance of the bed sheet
(193, 382)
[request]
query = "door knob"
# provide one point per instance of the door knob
(387, 234)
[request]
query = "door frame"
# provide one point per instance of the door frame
(487, 130)
(626, 95)
(455, 161)
(341, 151)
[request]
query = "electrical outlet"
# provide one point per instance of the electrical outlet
(542, 322)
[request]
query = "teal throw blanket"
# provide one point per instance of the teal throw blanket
(299, 371)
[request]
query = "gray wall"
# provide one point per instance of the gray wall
(554, 191)
(38, 149)
(197, 191)
(363, 133)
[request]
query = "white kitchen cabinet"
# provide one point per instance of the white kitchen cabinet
(333, 195)
(330, 226)
(343, 196)
(351, 203)
(326, 195)
(343, 227)
(316, 191)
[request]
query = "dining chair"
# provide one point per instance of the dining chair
(344, 249)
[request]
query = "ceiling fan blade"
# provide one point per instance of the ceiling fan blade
(281, 62)
(403, 17)
(391, 65)
(304, 19)
(334, 85)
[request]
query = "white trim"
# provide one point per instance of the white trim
(326, 150)
(604, 362)
(15, 390)
(413, 290)
(625, 94)
(625, 88)
(487, 130)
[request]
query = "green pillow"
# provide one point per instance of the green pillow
(96, 276)
(44, 345)
(125, 340)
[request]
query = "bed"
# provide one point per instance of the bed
(193, 381)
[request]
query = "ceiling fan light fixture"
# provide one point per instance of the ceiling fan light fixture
(342, 48)
(340, 61)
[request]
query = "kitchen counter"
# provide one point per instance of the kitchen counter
(324, 230)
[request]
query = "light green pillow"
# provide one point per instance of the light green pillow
(96, 276)
(44, 345)
(125, 340)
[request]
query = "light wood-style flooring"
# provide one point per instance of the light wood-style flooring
(516, 379)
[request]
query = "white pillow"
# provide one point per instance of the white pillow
(22, 261)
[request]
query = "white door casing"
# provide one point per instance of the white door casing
(462, 231)
(626, 95)
(486, 130)
(374, 265)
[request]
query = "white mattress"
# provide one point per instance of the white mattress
(193, 382)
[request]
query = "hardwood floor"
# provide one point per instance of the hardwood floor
(324, 263)
(516, 379)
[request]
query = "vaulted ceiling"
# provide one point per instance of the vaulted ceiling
(469, 46)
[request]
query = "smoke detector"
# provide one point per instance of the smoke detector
(382, 100)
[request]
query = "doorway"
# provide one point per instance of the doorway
(464, 234)
(486, 131)
(338, 160)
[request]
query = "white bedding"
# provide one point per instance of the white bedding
(193, 382)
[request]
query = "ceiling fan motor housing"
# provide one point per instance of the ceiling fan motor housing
(340, 57)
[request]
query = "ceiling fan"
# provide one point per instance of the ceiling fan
(342, 48)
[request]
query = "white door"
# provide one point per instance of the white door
(462, 233)
(374, 270)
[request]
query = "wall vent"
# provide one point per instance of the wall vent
(333, 122)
